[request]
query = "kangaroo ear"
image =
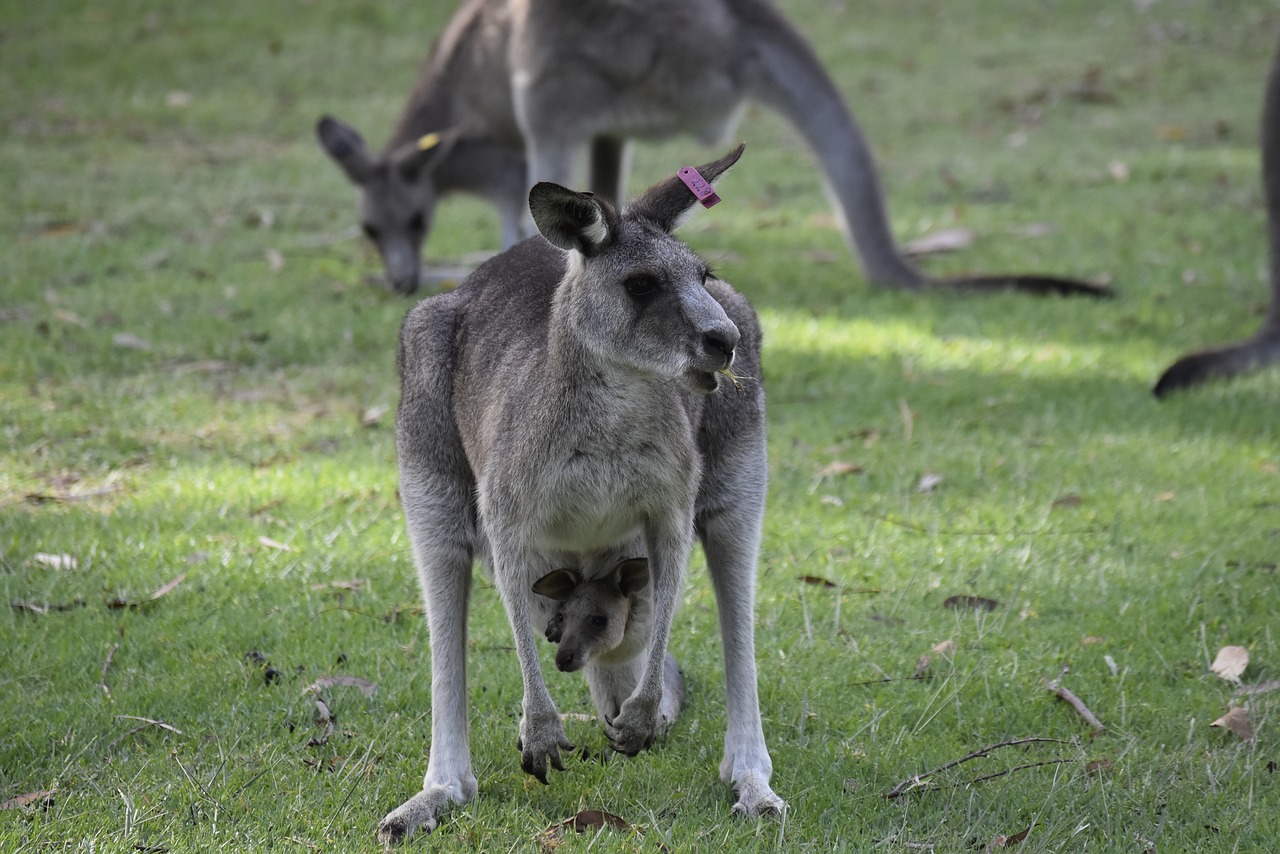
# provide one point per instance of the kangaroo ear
(425, 153)
(633, 575)
(669, 203)
(573, 221)
(558, 584)
(341, 142)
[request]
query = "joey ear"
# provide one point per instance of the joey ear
(558, 584)
(341, 142)
(425, 153)
(633, 575)
(668, 203)
(573, 221)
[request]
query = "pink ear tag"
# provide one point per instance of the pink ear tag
(699, 186)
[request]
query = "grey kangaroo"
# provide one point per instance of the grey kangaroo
(1264, 347)
(515, 92)
(564, 407)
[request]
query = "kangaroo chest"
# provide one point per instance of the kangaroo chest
(608, 474)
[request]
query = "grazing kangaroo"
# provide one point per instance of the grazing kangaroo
(515, 92)
(563, 407)
(1264, 347)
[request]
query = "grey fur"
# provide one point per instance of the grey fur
(1263, 348)
(562, 408)
(551, 81)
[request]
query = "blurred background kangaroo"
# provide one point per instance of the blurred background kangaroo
(1263, 348)
(516, 92)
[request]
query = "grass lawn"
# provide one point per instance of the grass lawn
(198, 510)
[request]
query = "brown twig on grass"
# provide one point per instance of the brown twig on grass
(146, 722)
(918, 780)
(1056, 688)
(106, 665)
(985, 777)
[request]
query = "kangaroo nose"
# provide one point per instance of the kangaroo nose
(405, 284)
(566, 661)
(720, 343)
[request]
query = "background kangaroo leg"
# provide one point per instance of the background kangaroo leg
(610, 163)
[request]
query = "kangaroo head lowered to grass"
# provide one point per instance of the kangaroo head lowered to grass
(564, 407)
(515, 92)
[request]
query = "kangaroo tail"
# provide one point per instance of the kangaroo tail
(783, 73)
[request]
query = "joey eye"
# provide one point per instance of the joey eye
(417, 222)
(599, 622)
(641, 287)
(370, 231)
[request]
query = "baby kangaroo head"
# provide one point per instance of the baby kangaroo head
(397, 194)
(592, 617)
(633, 294)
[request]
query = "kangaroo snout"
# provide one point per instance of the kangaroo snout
(567, 660)
(400, 260)
(720, 344)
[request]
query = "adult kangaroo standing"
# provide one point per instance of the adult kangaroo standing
(1264, 347)
(515, 92)
(563, 408)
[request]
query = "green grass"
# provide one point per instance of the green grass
(235, 452)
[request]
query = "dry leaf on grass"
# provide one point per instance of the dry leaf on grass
(366, 687)
(55, 561)
(371, 416)
(160, 593)
(816, 581)
(945, 648)
(1034, 229)
(1260, 688)
(945, 240)
(838, 467)
(928, 482)
(1003, 841)
(45, 798)
(975, 602)
(593, 821)
(44, 608)
(129, 341)
(1237, 721)
(276, 544)
(353, 585)
(1230, 663)
(324, 720)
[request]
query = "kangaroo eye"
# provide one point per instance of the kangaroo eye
(417, 223)
(599, 622)
(641, 287)
(370, 231)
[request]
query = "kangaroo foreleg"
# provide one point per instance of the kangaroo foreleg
(640, 719)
